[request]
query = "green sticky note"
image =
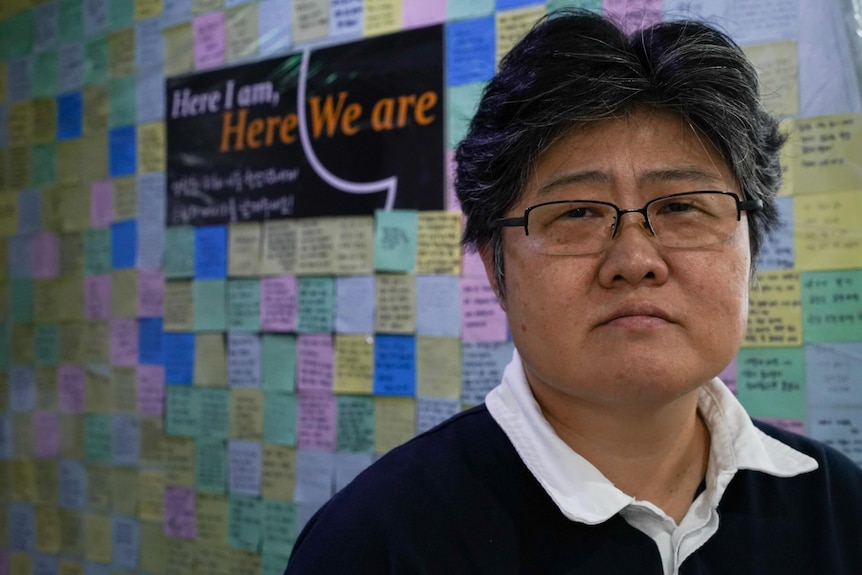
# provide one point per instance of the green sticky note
(122, 102)
(355, 432)
(461, 9)
(214, 408)
(279, 418)
(210, 305)
(279, 526)
(121, 14)
(315, 304)
(46, 74)
(182, 411)
(43, 165)
(210, 465)
(395, 240)
(71, 20)
(96, 61)
(272, 564)
(17, 34)
(831, 306)
(462, 102)
(243, 305)
(47, 346)
(97, 438)
(179, 252)
(279, 362)
(770, 382)
(244, 522)
(592, 5)
(97, 251)
(21, 299)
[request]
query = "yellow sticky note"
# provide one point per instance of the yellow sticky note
(777, 65)
(279, 247)
(241, 33)
(22, 343)
(97, 534)
(789, 151)
(18, 172)
(243, 562)
(830, 154)
(438, 243)
(382, 16)
(211, 518)
(395, 422)
(278, 474)
(151, 441)
(124, 485)
(214, 559)
(354, 364)
(70, 297)
(316, 246)
(246, 413)
(438, 367)
(71, 527)
(179, 455)
(47, 529)
(51, 209)
(310, 20)
(354, 246)
(244, 249)
(152, 555)
(22, 435)
(75, 207)
(827, 230)
(44, 120)
(179, 306)
(71, 436)
(20, 564)
(23, 480)
(8, 213)
(147, 9)
(395, 303)
(151, 147)
(71, 335)
(210, 360)
(121, 53)
(512, 25)
(46, 481)
(151, 487)
(179, 49)
(95, 349)
(67, 567)
(95, 109)
(125, 390)
(774, 311)
(180, 556)
(95, 150)
(20, 122)
(125, 198)
(99, 488)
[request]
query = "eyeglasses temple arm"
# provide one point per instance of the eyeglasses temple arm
(508, 222)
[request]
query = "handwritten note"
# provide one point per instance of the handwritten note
(395, 365)
(832, 373)
(395, 419)
(182, 411)
(244, 353)
(210, 468)
(315, 426)
(279, 418)
(354, 304)
(179, 512)
(354, 364)
(395, 240)
(839, 427)
(771, 382)
(244, 249)
(246, 413)
(72, 485)
(826, 227)
(209, 36)
(315, 251)
(244, 464)
(356, 424)
(179, 59)
(279, 362)
(775, 313)
(482, 366)
(354, 245)
(278, 303)
(482, 317)
(314, 362)
(310, 20)
(243, 305)
(832, 306)
(315, 301)
(777, 65)
(211, 514)
(828, 146)
(395, 310)
(512, 25)
(241, 34)
(151, 487)
(438, 243)
(438, 367)
(215, 412)
(279, 247)
(314, 474)
(278, 479)
(777, 251)
(279, 527)
(244, 522)
(178, 306)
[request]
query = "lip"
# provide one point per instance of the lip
(636, 315)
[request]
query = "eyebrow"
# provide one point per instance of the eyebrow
(691, 174)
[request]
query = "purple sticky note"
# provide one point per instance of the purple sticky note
(46, 255)
(314, 362)
(209, 34)
(728, 376)
(101, 203)
(71, 382)
(151, 390)
(315, 421)
(97, 297)
(634, 15)
(482, 318)
(124, 342)
(46, 434)
(419, 13)
(278, 303)
(245, 461)
(472, 266)
(179, 512)
(151, 293)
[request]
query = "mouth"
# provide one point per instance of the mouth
(637, 315)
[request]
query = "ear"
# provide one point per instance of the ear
(486, 252)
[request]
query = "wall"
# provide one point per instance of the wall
(157, 416)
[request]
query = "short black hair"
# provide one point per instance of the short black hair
(576, 67)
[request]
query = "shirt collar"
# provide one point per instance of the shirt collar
(590, 497)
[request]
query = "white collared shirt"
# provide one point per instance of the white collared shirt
(584, 494)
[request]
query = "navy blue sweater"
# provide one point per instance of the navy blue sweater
(458, 499)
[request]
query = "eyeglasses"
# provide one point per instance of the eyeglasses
(581, 227)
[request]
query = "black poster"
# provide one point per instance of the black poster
(368, 136)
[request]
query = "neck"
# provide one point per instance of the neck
(657, 454)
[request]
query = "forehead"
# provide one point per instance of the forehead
(644, 152)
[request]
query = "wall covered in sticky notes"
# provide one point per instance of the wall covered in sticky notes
(182, 385)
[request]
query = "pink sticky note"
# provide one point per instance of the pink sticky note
(101, 203)
(46, 255)
(179, 512)
(314, 362)
(482, 318)
(315, 421)
(97, 298)
(46, 434)
(634, 15)
(71, 382)
(209, 40)
(151, 293)
(278, 303)
(151, 390)
(124, 342)
(419, 13)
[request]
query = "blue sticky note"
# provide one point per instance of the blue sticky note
(124, 244)
(395, 240)
(210, 252)
(69, 116)
(20, 256)
(509, 4)
(470, 51)
(395, 365)
(122, 149)
(126, 446)
(72, 481)
(125, 542)
(777, 252)
(150, 341)
(482, 366)
(179, 353)
(6, 441)
(22, 526)
(29, 211)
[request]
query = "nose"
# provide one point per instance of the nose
(633, 257)
(642, 211)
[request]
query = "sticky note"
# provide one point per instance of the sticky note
(314, 362)
(354, 304)
(241, 34)
(470, 51)
(279, 418)
(462, 102)
(122, 151)
(22, 389)
(482, 366)
(354, 364)
(315, 300)
(246, 413)
(838, 427)
(244, 249)
(431, 411)
(126, 438)
(210, 252)
(315, 471)
(438, 367)
(145, 9)
(214, 406)
(121, 101)
(210, 359)
(179, 512)
(211, 517)
(151, 147)
(244, 467)
(827, 147)
(46, 432)
(243, 305)
(278, 303)
(209, 40)
(438, 310)
(310, 20)
(151, 291)
(395, 419)
(831, 306)
(825, 226)
(349, 465)
(482, 318)
(395, 308)
(97, 438)
(182, 411)
(125, 388)
(180, 252)
(382, 17)
(777, 251)
(777, 65)
(832, 373)
(210, 467)
(244, 359)
(356, 427)
(316, 425)
(316, 247)
(774, 311)
(70, 62)
(151, 390)
(124, 238)
(45, 74)
(395, 240)
(97, 252)
(210, 305)
(279, 247)
(354, 245)
(46, 345)
(771, 382)
(125, 542)
(71, 20)
(512, 25)
(278, 356)
(70, 385)
(178, 353)
(69, 116)
(438, 243)
(179, 454)
(178, 306)
(72, 484)
(121, 53)
(124, 342)
(179, 59)
(394, 365)
(150, 341)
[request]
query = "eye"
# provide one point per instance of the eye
(579, 213)
(677, 207)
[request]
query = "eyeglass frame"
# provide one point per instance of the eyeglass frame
(754, 205)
